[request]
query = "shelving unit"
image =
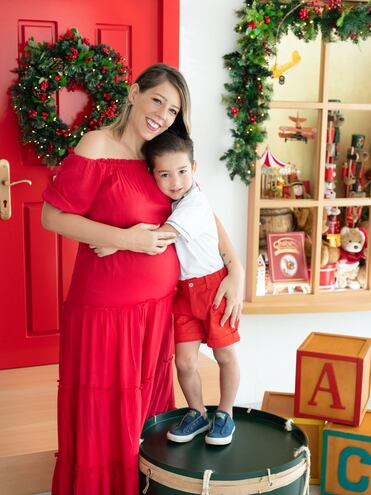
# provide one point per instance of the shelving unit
(316, 300)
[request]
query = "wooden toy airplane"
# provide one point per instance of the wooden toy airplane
(297, 133)
(277, 71)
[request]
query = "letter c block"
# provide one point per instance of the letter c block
(346, 461)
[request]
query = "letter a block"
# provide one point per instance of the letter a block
(346, 462)
(333, 378)
(282, 404)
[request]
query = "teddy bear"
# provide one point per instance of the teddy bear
(304, 222)
(349, 273)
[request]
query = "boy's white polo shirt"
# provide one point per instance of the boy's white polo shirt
(197, 245)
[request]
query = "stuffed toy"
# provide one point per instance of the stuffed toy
(304, 222)
(353, 244)
(352, 251)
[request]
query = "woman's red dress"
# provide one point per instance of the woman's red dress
(117, 337)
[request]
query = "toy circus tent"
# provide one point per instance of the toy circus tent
(272, 165)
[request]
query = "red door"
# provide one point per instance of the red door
(35, 265)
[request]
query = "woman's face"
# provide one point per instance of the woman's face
(153, 110)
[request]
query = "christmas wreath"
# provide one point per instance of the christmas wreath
(260, 27)
(69, 63)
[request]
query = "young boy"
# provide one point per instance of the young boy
(170, 158)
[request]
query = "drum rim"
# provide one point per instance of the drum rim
(256, 413)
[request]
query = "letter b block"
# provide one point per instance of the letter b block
(333, 378)
(346, 461)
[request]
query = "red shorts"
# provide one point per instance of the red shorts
(194, 315)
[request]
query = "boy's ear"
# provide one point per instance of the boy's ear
(134, 90)
(194, 166)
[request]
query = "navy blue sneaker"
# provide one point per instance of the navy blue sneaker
(192, 424)
(222, 429)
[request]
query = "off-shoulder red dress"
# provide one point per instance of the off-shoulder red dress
(117, 337)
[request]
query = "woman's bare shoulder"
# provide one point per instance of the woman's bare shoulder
(93, 144)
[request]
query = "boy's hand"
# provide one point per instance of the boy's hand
(103, 251)
(231, 287)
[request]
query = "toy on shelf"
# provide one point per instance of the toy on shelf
(297, 132)
(278, 70)
(275, 174)
(334, 120)
(353, 176)
(352, 251)
(260, 277)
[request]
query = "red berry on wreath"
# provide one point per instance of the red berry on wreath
(105, 51)
(234, 111)
(57, 77)
(251, 25)
(267, 19)
(44, 115)
(44, 85)
(303, 14)
(32, 114)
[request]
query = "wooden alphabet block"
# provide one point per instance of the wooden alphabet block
(282, 404)
(346, 461)
(333, 378)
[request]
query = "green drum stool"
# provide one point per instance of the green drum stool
(267, 455)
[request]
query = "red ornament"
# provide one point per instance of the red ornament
(303, 14)
(267, 19)
(107, 96)
(44, 115)
(104, 69)
(32, 114)
(234, 111)
(73, 54)
(99, 85)
(44, 84)
(252, 118)
(335, 4)
(43, 97)
(251, 25)
(105, 51)
(57, 77)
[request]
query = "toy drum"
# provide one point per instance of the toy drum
(264, 456)
(277, 220)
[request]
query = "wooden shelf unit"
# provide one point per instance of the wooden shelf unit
(317, 300)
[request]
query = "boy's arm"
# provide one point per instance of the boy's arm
(232, 285)
(166, 227)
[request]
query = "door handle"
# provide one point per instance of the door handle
(5, 185)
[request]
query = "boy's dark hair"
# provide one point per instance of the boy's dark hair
(167, 142)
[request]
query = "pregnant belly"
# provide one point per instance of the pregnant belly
(124, 278)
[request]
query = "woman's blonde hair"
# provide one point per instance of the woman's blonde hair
(149, 78)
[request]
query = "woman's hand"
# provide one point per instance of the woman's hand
(231, 287)
(143, 238)
(103, 251)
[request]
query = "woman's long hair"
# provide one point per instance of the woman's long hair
(149, 78)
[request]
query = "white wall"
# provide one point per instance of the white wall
(268, 347)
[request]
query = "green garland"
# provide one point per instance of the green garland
(69, 63)
(260, 27)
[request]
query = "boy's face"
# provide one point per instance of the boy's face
(173, 173)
